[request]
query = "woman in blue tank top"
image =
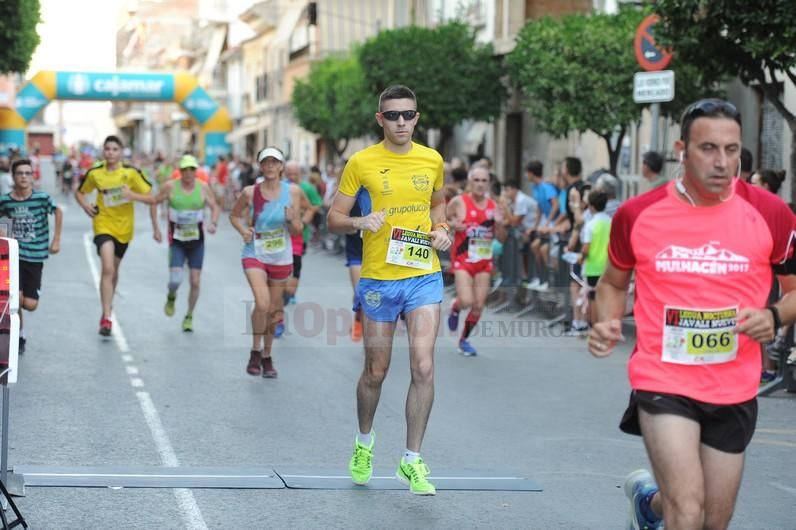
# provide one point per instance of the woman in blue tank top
(266, 215)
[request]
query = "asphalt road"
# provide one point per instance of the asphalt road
(531, 403)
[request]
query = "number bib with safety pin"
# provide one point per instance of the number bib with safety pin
(269, 243)
(479, 249)
(186, 224)
(410, 248)
(699, 336)
(113, 197)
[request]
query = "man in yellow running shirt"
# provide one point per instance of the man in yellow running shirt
(400, 272)
(117, 185)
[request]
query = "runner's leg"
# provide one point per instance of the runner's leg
(378, 350)
(481, 285)
(722, 472)
(422, 324)
(465, 293)
(354, 272)
(109, 276)
(258, 281)
(674, 450)
(276, 288)
(193, 296)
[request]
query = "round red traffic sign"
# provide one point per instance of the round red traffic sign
(649, 55)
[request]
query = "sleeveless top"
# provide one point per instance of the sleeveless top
(271, 243)
(475, 243)
(186, 214)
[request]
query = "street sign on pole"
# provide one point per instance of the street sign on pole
(649, 55)
(653, 87)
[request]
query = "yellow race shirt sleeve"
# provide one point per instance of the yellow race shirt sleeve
(350, 181)
(89, 184)
(138, 182)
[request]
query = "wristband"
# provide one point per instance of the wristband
(441, 225)
(777, 321)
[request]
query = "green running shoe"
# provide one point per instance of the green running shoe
(361, 465)
(169, 308)
(187, 323)
(414, 475)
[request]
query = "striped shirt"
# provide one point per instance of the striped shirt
(30, 225)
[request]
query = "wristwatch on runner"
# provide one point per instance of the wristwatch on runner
(442, 225)
(777, 321)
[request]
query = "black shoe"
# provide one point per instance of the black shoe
(22, 345)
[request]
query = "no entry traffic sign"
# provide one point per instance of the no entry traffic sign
(649, 55)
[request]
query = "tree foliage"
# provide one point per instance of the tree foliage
(18, 37)
(454, 77)
(334, 103)
(755, 41)
(577, 74)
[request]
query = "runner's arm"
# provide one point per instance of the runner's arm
(146, 198)
(241, 206)
(307, 209)
(161, 196)
(454, 211)
(612, 293)
(438, 214)
(215, 208)
(338, 219)
(787, 304)
(80, 197)
(295, 225)
(59, 221)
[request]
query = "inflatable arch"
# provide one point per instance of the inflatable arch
(184, 89)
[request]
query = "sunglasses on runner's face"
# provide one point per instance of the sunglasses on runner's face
(393, 115)
(709, 107)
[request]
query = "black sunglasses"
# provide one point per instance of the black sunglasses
(393, 115)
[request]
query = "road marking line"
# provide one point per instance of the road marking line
(776, 431)
(780, 443)
(131, 370)
(792, 491)
(191, 515)
(137, 382)
(141, 475)
(127, 358)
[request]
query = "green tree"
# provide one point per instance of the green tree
(755, 41)
(577, 74)
(334, 103)
(454, 77)
(18, 37)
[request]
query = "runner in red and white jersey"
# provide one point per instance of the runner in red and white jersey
(703, 248)
(475, 221)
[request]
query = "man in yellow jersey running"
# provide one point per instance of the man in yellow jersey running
(187, 199)
(117, 185)
(400, 272)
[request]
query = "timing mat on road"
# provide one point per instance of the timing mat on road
(312, 479)
(150, 477)
(255, 478)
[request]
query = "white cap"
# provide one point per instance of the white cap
(273, 152)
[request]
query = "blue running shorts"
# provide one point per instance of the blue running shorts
(384, 300)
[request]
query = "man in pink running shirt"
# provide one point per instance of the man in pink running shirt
(703, 248)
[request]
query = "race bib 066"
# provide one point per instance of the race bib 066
(699, 336)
